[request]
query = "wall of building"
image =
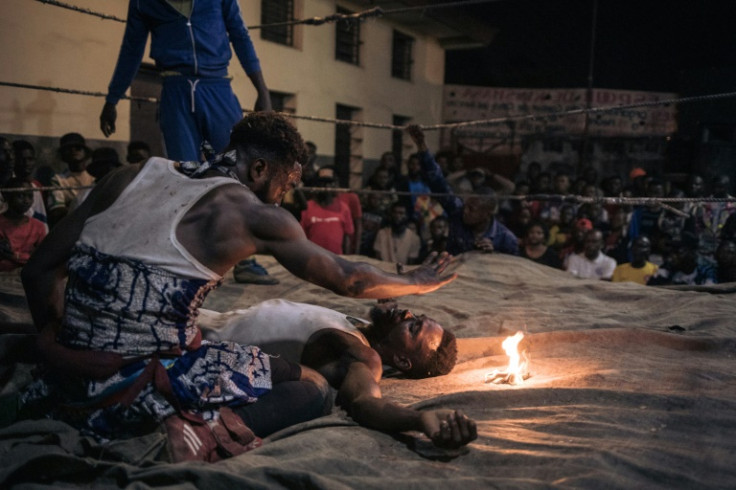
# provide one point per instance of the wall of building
(50, 46)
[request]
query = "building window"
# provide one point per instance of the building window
(397, 138)
(349, 147)
(274, 12)
(283, 102)
(347, 40)
(401, 56)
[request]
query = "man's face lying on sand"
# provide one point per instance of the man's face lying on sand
(401, 331)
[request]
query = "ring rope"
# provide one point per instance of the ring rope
(513, 197)
(432, 127)
(313, 21)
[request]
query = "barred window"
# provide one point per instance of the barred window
(273, 12)
(401, 59)
(283, 102)
(347, 40)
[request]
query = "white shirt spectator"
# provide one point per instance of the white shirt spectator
(601, 268)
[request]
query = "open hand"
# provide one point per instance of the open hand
(417, 136)
(448, 428)
(430, 272)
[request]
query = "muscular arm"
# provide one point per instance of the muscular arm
(313, 263)
(356, 376)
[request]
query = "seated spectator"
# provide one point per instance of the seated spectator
(595, 213)
(374, 217)
(534, 247)
(591, 263)
(74, 152)
(438, 231)
(104, 160)
(576, 241)
(549, 211)
(327, 220)
(138, 152)
(24, 168)
(381, 181)
(615, 239)
(684, 266)
(20, 234)
(726, 258)
(397, 242)
(7, 160)
(472, 221)
(560, 233)
(639, 270)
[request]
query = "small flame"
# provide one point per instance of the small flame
(518, 368)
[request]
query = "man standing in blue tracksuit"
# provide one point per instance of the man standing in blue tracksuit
(190, 42)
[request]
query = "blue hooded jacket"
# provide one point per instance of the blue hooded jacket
(198, 45)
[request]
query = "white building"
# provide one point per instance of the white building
(386, 70)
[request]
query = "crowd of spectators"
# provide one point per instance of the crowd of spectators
(438, 205)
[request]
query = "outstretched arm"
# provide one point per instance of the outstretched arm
(280, 235)
(360, 395)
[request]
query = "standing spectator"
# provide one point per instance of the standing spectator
(534, 247)
(327, 220)
(645, 219)
(25, 169)
(639, 270)
(397, 242)
(615, 239)
(711, 216)
(20, 234)
(421, 208)
(138, 152)
(472, 221)
(74, 152)
(387, 163)
(591, 263)
(639, 181)
(352, 201)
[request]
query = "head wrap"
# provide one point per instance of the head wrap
(221, 162)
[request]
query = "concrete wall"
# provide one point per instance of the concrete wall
(51, 46)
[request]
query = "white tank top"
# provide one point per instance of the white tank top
(129, 228)
(278, 326)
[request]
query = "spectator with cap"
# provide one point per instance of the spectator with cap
(73, 151)
(638, 179)
(575, 242)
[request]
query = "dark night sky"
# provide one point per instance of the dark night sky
(652, 45)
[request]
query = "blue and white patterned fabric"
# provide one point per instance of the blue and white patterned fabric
(119, 305)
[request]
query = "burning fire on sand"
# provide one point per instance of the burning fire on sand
(518, 368)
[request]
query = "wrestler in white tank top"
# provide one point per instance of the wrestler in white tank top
(277, 326)
(129, 229)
